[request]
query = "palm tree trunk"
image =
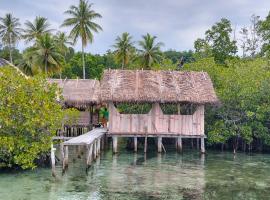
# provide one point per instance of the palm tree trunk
(46, 66)
(83, 61)
(10, 53)
(123, 64)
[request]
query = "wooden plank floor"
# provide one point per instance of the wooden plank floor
(87, 138)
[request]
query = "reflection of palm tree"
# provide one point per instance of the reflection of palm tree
(34, 30)
(82, 24)
(124, 48)
(9, 31)
(45, 53)
(149, 50)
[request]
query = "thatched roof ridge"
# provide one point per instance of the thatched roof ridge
(79, 93)
(157, 86)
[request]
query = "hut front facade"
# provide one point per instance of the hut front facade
(82, 94)
(157, 87)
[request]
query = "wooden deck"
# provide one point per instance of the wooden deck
(87, 138)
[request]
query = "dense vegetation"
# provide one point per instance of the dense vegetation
(241, 82)
(29, 116)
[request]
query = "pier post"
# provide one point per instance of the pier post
(114, 144)
(90, 154)
(135, 144)
(53, 160)
(179, 144)
(202, 145)
(159, 144)
(65, 160)
(145, 144)
(98, 142)
(95, 149)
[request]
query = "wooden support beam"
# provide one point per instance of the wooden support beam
(114, 138)
(179, 144)
(65, 160)
(145, 144)
(99, 145)
(94, 150)
(53, 160)
(89, 155)
(159, 144)
(202, 145)
(198, 143)
(135, 144)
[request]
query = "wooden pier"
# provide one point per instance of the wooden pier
(92, 140)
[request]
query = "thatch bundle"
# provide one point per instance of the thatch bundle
(4, 62)
(157, 86)
(79, 93)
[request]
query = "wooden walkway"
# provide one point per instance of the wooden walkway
(92, 140)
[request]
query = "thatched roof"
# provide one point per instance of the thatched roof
(79, 93)
(4, 62)
(157, 86)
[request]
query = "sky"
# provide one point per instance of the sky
(176, 23)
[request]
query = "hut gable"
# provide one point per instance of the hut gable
(79, 93)
(157, 86)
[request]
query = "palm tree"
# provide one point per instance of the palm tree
(10, 32)
(124, 48)
(149, 50)
(45, 54)
(83, 26)
(34, 30)
(62, 41)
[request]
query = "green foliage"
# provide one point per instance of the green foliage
(124, 49)
(243, 88)
(217, 42)
(29, 117)
(150, 50)
(264, 29)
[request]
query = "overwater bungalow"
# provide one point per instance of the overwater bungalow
(157, 88)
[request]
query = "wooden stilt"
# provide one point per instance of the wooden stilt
(145, 144)
(179, 144)
(159, 144)
(94, 150)
(114, 144)
(66, 156)
(198, 143)
(90, 154)
(135, 144)
(99, 145)
(202, 145)
(53, 160)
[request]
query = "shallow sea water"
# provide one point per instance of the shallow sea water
(129, 176)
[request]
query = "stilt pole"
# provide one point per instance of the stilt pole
(179, 144)
(202, 145)
(135, 144)
(159, 144)
(53, 160)
(114, 144)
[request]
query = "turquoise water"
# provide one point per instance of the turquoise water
(135, 176)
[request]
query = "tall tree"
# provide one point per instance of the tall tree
(62, 41)
(150, 50)
(10, 32)
(220, 41)
(124, 48)
(244, 41)
(83, 26)
(264, 30)
(254, 39)
(45, 53)
(36, 28)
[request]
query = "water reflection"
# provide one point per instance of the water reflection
(155, 176)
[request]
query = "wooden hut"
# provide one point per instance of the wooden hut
(82, 94)
(157, 87)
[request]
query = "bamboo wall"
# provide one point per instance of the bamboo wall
(155, 122)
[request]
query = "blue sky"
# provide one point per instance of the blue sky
(177, 23)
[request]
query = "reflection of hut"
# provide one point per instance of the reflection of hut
(84, 96)
(156, 87)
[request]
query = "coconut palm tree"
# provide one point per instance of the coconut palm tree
(10, 32)
(124, 48)
(150, 51)
(36, 28)
(46, 54)
(83, 26)
(62, 41)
